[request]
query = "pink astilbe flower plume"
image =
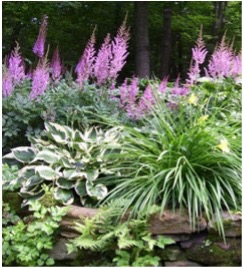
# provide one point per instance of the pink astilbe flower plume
(177, 90)
(56, 66)
(7, 83)
(147, 100)
(236, 68)
(102, 62)
(39, 46)
(16, 66)
(84, 68)
(163, 84)
(199, 53)
(40, 79)
(220, 62)
(119, 48)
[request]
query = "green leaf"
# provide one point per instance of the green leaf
(47, 156)
(46, 173)
(32, 181)
(80, 187)
(64, 195)
(162, 241)
(98, 191)
(50, 262)
(71, 174)
(24, 154)
(92, 174)
(64, 183)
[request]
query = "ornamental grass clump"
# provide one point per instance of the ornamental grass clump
(183, 158)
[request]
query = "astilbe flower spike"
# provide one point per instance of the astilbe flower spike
(199, 53)
(39, 46)
(16, 66)
(163, 84)
(220, 63)
(56, 66)
(146, 101)
(84, 68)
(102, 62)
(40, 79)
(177, 90)
(7, 83)
(119, 48)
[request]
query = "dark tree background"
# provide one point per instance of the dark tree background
(162, 32)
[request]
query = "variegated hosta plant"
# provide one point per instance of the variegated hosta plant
(69, 160)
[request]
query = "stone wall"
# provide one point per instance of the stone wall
(194, 247)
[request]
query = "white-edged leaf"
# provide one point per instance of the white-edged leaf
(46, 173)
(98, 191)
(64, 195)
(92, 174)
(47, 156)
(64, 183)
(73, 174)
(80, 188)
(24, 154)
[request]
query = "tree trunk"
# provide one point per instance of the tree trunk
(166, 41)
(219, 10)
(142, 63)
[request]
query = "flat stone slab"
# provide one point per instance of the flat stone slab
(174, 223)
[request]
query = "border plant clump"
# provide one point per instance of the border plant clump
(138, 148)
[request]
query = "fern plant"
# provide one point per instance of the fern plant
(132, 240)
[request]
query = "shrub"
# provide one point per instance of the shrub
(70, 161)
(185, 157)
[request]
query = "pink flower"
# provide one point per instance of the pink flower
(40, 80)
(56, 66)
(102, 62)
(7, 84)
(39, 47)
(147, 100)
(177, 90)
(163, 85)
(15, 65)
(220, 62)
(84, 68)
(199, 53)
(119, 51)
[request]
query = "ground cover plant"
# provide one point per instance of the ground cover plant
(144, 143)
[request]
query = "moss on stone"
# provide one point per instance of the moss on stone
(213, 254)
(14, 200)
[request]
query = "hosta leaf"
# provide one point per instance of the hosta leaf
(98, 191)
(30, 199)
(28, 171)
(59, 133)
(24, 154)
(73, 174)
(34, 180)
(64, 195)
(64, 183)
(66, 163)
(80, 188)
(47, 156)
(10, 160)
(46, 173)
(83, 146)
(77, 136)
(92, 174)
(30, 192)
